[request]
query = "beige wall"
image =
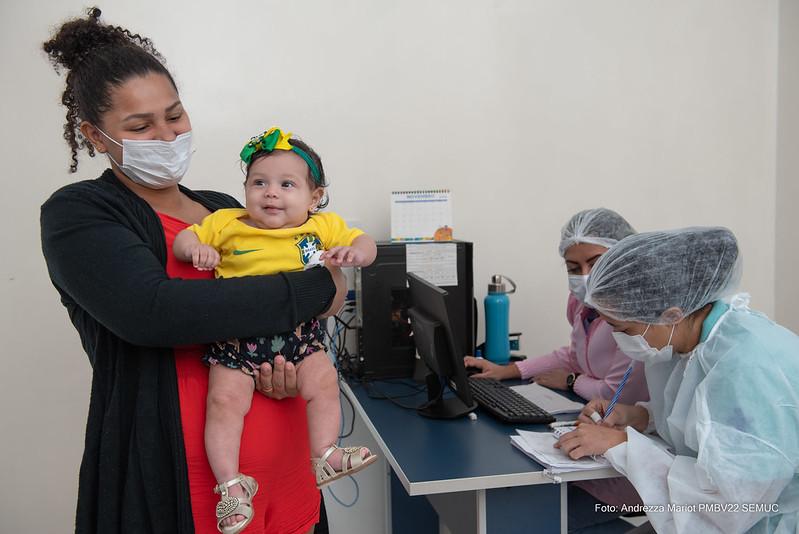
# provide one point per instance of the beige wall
(787, 244)
(527, 110)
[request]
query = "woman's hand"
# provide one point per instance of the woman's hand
(491, 370)
(277, 383)
(588, 440)
(622, 416)
(555, 379)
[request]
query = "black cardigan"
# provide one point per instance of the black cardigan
(106, 255)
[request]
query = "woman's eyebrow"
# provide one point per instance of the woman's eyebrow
(171, 107)
(138, 116)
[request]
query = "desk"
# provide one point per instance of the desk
(471, 475)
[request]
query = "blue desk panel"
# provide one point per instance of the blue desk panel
(468, 469)
(427, 453)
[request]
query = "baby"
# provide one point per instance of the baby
(281, 229)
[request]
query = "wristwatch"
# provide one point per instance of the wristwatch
(570, 380)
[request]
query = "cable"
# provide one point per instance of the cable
(352, 420)
(341, 437)
(402, 382)
(391, 398)
(355, 500)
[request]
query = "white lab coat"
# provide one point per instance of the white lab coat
(730, 412)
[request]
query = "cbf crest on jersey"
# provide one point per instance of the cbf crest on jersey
(308, 244)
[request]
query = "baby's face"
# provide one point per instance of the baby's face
(278, 191)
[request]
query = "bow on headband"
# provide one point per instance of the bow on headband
(274, 139)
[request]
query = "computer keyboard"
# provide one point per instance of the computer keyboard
(505, 404)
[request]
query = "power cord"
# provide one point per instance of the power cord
(338, 353)
(352, 419)
(346, 363)
(341, 437)
(355, 500)
(370, 386)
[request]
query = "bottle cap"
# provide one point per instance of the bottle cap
(497, 286)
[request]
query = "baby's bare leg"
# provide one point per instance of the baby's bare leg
(229, 398)
(318, 384)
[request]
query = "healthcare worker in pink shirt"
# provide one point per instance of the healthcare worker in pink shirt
(592, 366)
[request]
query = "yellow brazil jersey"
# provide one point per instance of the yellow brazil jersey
(246, 250)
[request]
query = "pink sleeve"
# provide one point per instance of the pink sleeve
(557, 359)
(562, 358)
(591, 388)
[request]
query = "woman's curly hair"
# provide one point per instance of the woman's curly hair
(97, 58)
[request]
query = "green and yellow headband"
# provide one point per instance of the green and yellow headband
(274, 139)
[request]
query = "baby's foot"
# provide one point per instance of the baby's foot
(329, 468)
(335, 459)
(234, 491)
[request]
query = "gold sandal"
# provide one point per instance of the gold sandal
(351, 462)
(229, 505)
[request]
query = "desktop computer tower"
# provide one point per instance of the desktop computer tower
(385, 343)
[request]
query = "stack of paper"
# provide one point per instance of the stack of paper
(547, 399)
(540, 446)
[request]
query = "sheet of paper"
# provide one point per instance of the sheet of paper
(559, 431)
(435, 262)
(547, 399)
(540, 447)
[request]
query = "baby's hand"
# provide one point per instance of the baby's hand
(344, 257)
(204, 257)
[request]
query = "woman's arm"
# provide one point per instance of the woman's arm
(604, 387)
(97, 259)
(753, 474)
(562, 358)
(557, 359)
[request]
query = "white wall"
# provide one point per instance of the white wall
(528, 110)
(787, 251)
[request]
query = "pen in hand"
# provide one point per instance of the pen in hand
(615, 397)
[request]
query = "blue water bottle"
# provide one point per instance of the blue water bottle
(497, 316)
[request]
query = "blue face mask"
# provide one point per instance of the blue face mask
(637, 347)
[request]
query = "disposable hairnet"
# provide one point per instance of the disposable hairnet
(646, 274)
(599, 226)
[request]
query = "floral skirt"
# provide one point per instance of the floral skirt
(246, 353)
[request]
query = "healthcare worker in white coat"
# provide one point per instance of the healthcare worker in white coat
(723, 383)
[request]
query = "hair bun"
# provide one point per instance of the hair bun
(76, 39)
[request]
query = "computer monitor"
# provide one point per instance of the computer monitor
(439, 350)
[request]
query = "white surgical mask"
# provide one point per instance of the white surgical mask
(577, 285)
(637, 347)
(153, 163)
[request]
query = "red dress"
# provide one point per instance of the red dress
(274, 445)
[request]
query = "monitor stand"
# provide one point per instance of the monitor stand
(437, 407)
